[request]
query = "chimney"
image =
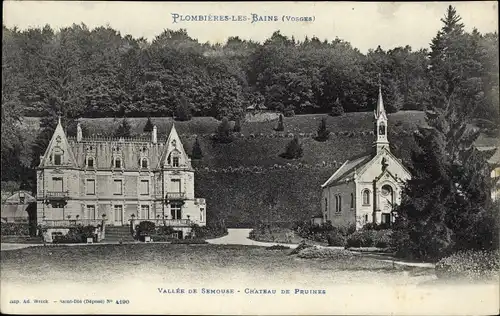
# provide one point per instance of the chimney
(78, 133)
(153, 135)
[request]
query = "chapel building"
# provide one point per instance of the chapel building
(366, 188)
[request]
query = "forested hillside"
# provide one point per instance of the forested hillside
(99, 76)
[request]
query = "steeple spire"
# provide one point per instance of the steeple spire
(380, 102)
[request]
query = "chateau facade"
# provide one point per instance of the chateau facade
(89, 179)
(366, 188)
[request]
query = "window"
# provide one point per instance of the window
(175, 211)
(387, 193)
(338, 203)
(57, 184)
(144, 163)
(118, 213)
(118, 187)
(144, 212)
(175, 161)
(326, 205)
(144, 187)
(91, 214)
(386, 218)
(57, 159)
(366, 197)
(366, 218)
(381, 130)
(352, 200)
(90, 186)
(90, 162)
(175, 185)
(118, 163)
(201, 214)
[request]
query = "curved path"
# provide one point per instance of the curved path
(239, 236)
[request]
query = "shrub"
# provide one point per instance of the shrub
(145, 228)
(196, 152)
(237, 125)
(375, 226)
(123, 130)
(160, 238)
(335, 238)
(303, 245)
(370, 238)
(164, 230)
(224, 134)
(337, 109)
(281, 126)
(77, 234)
(470, 265)
(323, 132)
(289, 112)
(315, 252)
(210, 231)
(277, 247)
(15, 229)
(293, 150)
(148, 128)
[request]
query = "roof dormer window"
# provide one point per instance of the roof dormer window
(57, 159)
(90, 162)
(175, 161)
(144, 163)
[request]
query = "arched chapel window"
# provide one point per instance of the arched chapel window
(366, 197)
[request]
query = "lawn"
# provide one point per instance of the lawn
(141, 274)
(203, 263)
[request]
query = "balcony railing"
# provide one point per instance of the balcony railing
(71, 222)
(176, 196)
(57, 195)
(165, 222)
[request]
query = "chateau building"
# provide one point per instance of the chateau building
(91, 179)
(366, 188)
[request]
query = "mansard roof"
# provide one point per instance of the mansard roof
(130, 150)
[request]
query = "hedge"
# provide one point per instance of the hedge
(370, 238)
(469, 265)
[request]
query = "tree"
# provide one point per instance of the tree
(183, 110)
(337, 109)
(293, 149)
(196, 152)
(123, 129)
(280, 126)
(323, 132)
(447, 206)
(237, 125)
(148, 128)
(224, 133)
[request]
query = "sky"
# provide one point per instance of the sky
(364, 24)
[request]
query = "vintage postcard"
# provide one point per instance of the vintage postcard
(250, 158)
